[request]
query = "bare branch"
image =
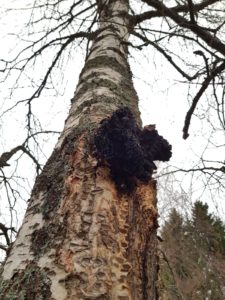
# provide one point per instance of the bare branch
(201, 170)
(191, 11)
(211, 40)
(4, 231)
(204, 86)
(5, 157)
(3, 247)
(179, 8)
(163, 52)
(201, 53)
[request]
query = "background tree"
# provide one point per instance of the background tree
(192, 257)
(209, 227)
(56, 27)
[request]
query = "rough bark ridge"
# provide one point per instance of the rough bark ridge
(81, 238)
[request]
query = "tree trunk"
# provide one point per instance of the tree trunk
(81, 238)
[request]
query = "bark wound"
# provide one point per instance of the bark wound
(128, 150)
(51, 181)
(146, 226)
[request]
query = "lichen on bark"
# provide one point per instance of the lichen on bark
(31, 283)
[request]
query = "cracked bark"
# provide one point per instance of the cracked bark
(80, 238)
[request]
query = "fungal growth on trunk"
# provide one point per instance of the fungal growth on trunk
(128, 150)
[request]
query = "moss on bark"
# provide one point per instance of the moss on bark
(31, 283)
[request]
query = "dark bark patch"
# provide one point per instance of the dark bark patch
(75, 280)
(116, 50)
(107, 239)
(52, 199)
(51, 181)
(104, 36)
(128, 150)
(105, 61)
(123, 92)
(42, 239)
(30, 284)
(96, 100)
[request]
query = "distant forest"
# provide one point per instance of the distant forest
(192, 256)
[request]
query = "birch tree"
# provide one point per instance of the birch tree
(90, 227)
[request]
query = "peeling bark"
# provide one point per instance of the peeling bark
(81, 238)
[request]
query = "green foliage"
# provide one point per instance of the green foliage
(192, 259)
(210, 227)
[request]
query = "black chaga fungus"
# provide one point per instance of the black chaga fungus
(129, 151)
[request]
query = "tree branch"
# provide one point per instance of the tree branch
(6, 156)
(4, 231)
(191, 11)
(179, 8)
(211, 40)
(204, 86)
(167, 56)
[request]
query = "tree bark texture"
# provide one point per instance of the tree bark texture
(81, 238)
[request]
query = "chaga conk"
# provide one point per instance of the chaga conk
(128, 150)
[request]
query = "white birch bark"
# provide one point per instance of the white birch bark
(81, 239)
